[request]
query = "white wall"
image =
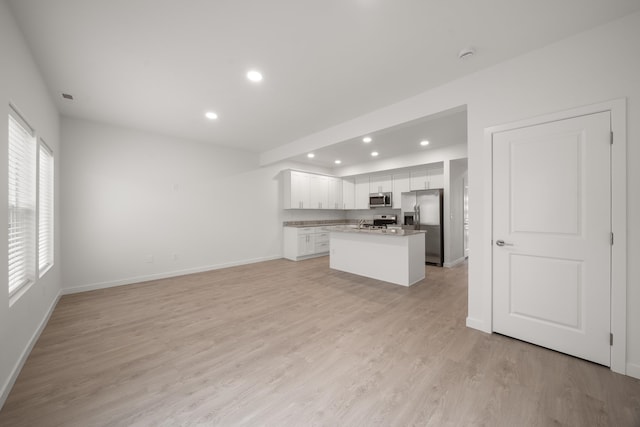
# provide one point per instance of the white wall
(598, 65)
(129, 195)
(454, 252)
(22, 85)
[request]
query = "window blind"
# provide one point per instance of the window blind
(45, 209)
(22, 159)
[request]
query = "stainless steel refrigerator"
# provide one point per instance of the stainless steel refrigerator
(423, 210)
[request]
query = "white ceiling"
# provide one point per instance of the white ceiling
(158, 65)
(441, 130)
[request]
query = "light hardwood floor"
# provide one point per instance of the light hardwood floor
(281, 343)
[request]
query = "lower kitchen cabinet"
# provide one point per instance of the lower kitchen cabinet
(305, 242)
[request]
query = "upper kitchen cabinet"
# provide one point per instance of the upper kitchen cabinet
(311, 191)
(426, 178)
(349, 193)
(435, 178)
(296, 190)
(418, 179)
(335, 193)
(401, 184)
(319, 192)
(362, 192)
(380, 184)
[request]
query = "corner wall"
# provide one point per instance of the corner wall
(139, 206)
(454, 252)
(22, 85)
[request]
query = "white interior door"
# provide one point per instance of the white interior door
(552, 210)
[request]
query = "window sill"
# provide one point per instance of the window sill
(45, 270)
(17, 293)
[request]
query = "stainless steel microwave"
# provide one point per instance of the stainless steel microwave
(380, 200)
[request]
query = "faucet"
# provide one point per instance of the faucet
(360, 223)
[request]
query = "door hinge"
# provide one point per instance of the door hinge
(611, 239)
(611, 138)
(610, 339)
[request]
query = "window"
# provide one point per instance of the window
(22, 206)
(30, 204)
(45, 208)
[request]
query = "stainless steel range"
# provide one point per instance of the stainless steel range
(381, 221)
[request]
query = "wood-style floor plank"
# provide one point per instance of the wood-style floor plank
(284, 343)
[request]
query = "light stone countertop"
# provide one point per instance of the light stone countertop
(345, 224)
(383, 231)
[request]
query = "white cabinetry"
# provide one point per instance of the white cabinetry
(306, 245)
(304, 190)
(335, 193)
(435, 178)
(311, 191)
(348, 193)
(425, 179)
(321, 242)
(380, 184)
(419, 179)
(305, 242)
(319, 192)
(401, 184)
(296, 190)
(362, 192)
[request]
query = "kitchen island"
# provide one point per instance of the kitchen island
(392, 255)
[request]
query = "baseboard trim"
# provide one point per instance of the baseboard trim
(633, 370)
(8, 385)
(477, 324)
(165, 275)
(454, 263)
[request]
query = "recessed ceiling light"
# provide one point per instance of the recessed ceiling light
(424, 142)
(311, 155)
(211, 115)
(337, 162)
(254, 76)
(374, 154)
(367, 139)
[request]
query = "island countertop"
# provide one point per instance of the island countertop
(380, 231)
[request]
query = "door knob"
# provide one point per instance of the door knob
(502, 243)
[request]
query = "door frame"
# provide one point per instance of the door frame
(618, 110)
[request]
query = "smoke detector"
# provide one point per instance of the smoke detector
(466, 53)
